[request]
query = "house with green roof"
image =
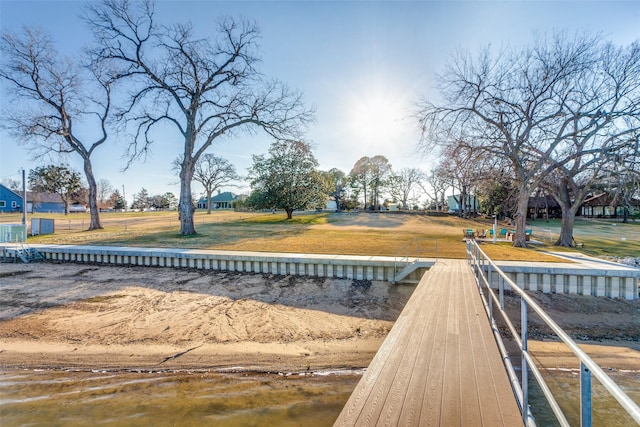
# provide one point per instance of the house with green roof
(226, 200)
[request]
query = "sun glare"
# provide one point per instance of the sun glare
(377, 118)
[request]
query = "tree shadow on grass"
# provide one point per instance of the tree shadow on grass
(366, 219)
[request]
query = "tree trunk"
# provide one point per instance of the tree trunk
(463, 202)
(364, 187)
(566, 228)
(520, 239)
(289, 212)
(209, 201)
(569, 209)
(374, 196)
(93, 196)
(185, 205)
(546, 209)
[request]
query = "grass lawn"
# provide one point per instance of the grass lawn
(326, 233)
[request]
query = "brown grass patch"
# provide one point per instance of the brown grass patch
(383, 234)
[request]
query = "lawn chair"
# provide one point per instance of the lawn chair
(468, 233)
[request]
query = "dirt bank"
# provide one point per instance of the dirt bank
(71, 315)
(114, 317)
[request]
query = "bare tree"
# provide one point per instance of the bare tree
(13, 184)
(462, 171)
(213, 172)
(435, 186)
(530, 106)
(57, 101)
(205, 88)
(104, 191)
(622, 179)
(605, 128)
(402, 184)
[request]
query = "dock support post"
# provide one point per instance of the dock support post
(585, 396)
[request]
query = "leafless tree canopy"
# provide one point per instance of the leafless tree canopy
(555, 106)
(403, 184)
(213, 172)
(56, 101)
(203, 87)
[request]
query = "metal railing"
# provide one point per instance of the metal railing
(484, 269)
(411, 253)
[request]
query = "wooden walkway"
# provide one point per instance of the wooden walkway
(439, 365)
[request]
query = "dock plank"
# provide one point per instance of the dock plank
(439, 365)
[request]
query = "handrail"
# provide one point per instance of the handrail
(406, 249)
(477, 259)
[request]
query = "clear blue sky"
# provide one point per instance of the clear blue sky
(362, 64)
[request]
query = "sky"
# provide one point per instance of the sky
(363, 65)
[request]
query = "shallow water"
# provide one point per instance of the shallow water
(72, 398)
(565, 385)
(78, 398)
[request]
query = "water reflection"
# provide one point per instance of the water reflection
(77, 398)
(57, 398)
(565, 385)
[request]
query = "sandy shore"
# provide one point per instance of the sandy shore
(84, 316)
(128, 318)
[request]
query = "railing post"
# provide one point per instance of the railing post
(436, 249)
(468, 254)
(585, 396)
(501, 290)
(525, 369)
(490, 292)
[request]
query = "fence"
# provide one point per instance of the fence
(13, 233)
(485, 268)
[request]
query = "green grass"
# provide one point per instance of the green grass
(598, 237)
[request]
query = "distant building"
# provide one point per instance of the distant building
(605, 206)
(226, 200)
(44, 203)
(10, 201)
(454, 204)
(543, 207)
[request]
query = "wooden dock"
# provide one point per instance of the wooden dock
(439, 365)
